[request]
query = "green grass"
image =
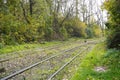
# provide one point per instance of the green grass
(13, 48)
(100, 56)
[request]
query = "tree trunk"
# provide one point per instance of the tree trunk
(31, 6)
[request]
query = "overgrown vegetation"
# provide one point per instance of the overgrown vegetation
(113, 24)
(26, 21)
(109, 60)
(31, 22)
(28, 46)
(15, 48)
(103, 63)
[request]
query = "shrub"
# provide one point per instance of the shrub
(75, 27)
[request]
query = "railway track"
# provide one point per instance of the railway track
(40, 62)
(13, 64)
(26, 52)
(67, 63)
(63, 51)
(67, 70)
(4, 57)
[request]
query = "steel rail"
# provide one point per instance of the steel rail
(61, 68)
(29, 67)
(4, 60)
(45, 48)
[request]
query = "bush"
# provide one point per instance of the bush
(1, 45)
(114, 41)
(93, 31)
(97, 31)
(75, 27)
(89, 32)
(64, 34)
(113, 24)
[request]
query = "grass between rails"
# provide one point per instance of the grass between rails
(100, 56)
(21, 47)
(13, 48)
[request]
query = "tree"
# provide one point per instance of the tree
(35, 20)
(113, 24)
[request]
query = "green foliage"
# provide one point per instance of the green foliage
(64, 33)
(93, 31)
(18, 25)
(113, 24)
(96, 30)
(113, 41)
(75, 27)
(1, 45)
(99, 57)
(13, 48)
(89, 32)
(48, 29)
(14, 29)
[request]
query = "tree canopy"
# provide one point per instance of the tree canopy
(24, 21)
